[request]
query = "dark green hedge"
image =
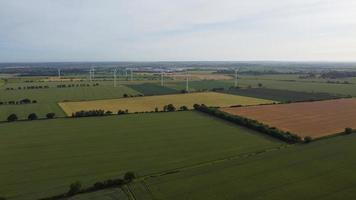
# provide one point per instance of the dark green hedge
(251, 124)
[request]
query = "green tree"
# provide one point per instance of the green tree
(348, 130)
(12, 117)
(50, 115)
(32, 116)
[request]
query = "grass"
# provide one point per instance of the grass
(2, 82)
(22, 111)
(149, 89)
(201, 85)
(321, 170)
(280, 95)
(303, 86)
(109, 194)
(41, 158)
(143, 104)
(48, 98)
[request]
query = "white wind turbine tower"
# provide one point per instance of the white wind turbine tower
(187, 82)
(162, 74)
(59, 73)
(236, 71)
(90, 72)
(93, 73)
(115, 71)
(131, 74)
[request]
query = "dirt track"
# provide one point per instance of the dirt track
(315, 119)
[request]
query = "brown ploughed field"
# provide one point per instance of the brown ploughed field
(315, 119)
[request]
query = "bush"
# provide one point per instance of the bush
(169, 108)
(348, 130)
(74, 188)
(89, 113)
(308, 139)
(12, 117)
(129, 176)
(50, 115)
(32, 116)
(184, 108)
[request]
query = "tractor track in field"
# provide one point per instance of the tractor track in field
(213, 162)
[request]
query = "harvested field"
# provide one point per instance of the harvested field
(146, 104)
(315, 119)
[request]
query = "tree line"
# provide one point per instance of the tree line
(251, 124)
(32, 116)
(77, 85)
(22, 101)
(77, 188)
(32, 87)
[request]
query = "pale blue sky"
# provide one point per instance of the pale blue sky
(153, 30)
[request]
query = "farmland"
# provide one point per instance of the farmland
(315, 119)
(303, 86)
(147, 104)
(41, 158)
(280, 95)
(110, 194)
(47, 98)
(148, 89)
(201, 85)
(319, 171)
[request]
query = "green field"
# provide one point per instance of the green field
(47, 99)
(148, 89)
(322, 170)
(280, 95)
(109, 194)
(302, 86)
(41, 158)
(201, 85)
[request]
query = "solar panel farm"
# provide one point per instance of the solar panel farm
(176, 133)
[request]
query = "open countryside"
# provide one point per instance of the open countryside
(101, 148)
(314, 119)
(178, 100)
(149, 104)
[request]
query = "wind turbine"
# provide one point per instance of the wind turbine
(187, 82)
(162, 78)
(131, 74)
(115, 71)
(59, 73)
(236, 71)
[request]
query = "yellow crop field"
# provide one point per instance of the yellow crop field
(149, 103)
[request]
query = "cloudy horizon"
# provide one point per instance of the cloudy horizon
(185, 30)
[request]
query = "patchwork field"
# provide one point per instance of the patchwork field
(321, 170)
(315, 119)
(149, 89)
(143, 104)
(47, 99)
(280, 95)
(41, 158)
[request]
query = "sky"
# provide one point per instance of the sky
(177, 30)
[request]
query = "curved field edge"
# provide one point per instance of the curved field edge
(61, 151)
(320, 170)
(150, 103)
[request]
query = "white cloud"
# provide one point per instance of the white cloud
(41, 30)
